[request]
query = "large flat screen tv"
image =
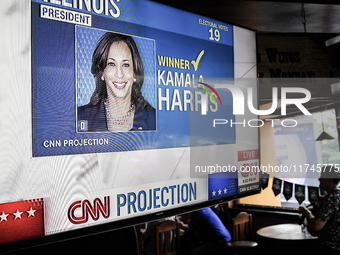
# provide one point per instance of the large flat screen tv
(119, 112)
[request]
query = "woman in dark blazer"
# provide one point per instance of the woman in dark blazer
(117, 104)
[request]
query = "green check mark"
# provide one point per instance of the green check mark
(198, 59)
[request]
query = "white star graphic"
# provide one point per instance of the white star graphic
(31, 212)
(17, 214)
(219, 191)
(225, 190)
(3, 217)
(214, 193)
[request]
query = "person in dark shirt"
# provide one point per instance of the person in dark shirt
(326, 220)
(210, 230)
(117, 104)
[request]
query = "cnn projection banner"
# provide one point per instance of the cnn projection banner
(122, 203)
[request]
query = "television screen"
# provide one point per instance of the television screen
(119, 110)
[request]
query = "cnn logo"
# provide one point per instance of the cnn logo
(80, 211)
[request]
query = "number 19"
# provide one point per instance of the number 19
(214, 34)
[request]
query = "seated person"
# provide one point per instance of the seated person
(326, 221)
(210, 230)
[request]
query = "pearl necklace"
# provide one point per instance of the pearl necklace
(123, 119)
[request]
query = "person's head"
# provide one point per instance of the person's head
(329, 178)
(117, 67)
